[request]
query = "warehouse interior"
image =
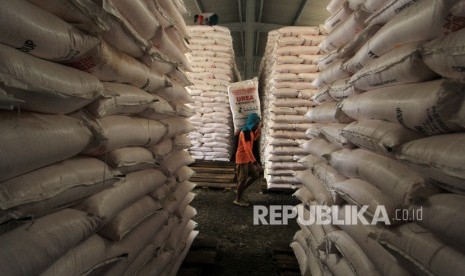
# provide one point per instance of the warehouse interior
(232, 137)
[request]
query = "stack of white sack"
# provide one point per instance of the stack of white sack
(94, 177)
(286, 75)
(213, 70)
(387, 141)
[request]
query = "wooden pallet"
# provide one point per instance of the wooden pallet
(214, 174)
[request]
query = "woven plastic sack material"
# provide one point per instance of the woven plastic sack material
(182, 207)
(296, 68)
(299, 253)
(393, 178)
(287, 134)
(184, 173)
(314, 131)
(389, 10)
(120, 131)
(87, 257)
(437, 109)
(320, 147)
(329, 59)
(355, 4)
(297, 50)
(343, 33)
(42, 34)
(160, 109)
(172, 203)
(359, 192)
(364, 236)
(352, 253)
(130, 217)
(177, 126)
(446, 55)
(8, 102)
(138, 16)
(425, 21)
(117, 36)
(161, 149)
(313, 184)
(440, 216)
(71, 13)
(182, 255)
(322, 97)
(44, 241)
(308, 161)
(338, 265)
(373, 5)
(130, 159)
(172, 10)
(163, 42)
(333, 133)
(341, 89)
(39, 83)
(422, 249)
(295, 127)
(109, 64)
(334, 5)
(338, 17)
(399, 66)
(162, 192)
(378, 136)
(295, 77)
(288, 102)
(120, 99)
(108, 203)
(334, 72)
(136, 240)
(176, 92)
(54, 187)
(329, 177)
(294, 84)
(439, 157)
(307, 93)
(176, 160)
(328, 113)
(304, 195)
(351, 48)
(296, 30)
(289, 119)
(30, 141)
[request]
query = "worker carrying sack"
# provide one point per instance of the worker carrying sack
(243, 100)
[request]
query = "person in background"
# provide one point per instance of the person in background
(210, 19)
(247, 168)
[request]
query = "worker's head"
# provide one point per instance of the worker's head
(252, 122)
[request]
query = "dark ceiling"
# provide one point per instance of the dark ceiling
(251, 20)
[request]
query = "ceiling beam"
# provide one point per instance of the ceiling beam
(258, 27)
(199, 6)
(299, 12)
(249, 38)
(239, 8)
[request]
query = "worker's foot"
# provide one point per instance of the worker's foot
(241, 203)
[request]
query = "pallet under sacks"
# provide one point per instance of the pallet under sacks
(388, 132)
(213, 69)
(104, 189)
(286, 74)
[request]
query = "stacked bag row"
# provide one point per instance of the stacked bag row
(286, 74)
(387, 137)
(93, 175)
(213, 70)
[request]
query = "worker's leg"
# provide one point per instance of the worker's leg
(242, 175)
(253, 175)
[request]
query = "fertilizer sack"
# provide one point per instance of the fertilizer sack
(243, 100)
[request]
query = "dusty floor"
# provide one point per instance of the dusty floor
(243, 248)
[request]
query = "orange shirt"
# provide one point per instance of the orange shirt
(244, 152)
